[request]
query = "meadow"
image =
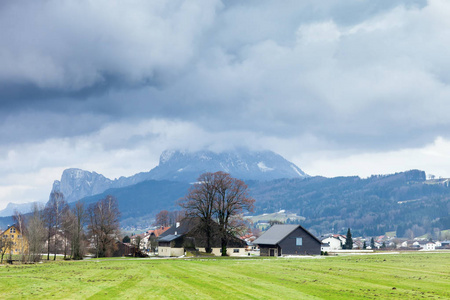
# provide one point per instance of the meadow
(381, 276)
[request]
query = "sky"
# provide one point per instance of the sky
(340, 88)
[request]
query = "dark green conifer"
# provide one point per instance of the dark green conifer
(348, 241)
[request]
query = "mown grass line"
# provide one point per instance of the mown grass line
(411, 276)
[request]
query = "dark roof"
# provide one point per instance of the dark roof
(190, 228)
(184, 228)
(278, 232)
(169, 238)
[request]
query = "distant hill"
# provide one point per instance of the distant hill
(21, 207)
(140, 202)
(183, 167)
(399, 202)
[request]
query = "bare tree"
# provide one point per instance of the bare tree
(152, 243)
(232, 199)
(220, 198)
(36, 234)
(137, 244)
(67, 226)
(168, 218)
(49, 221)
(77, 234)
(162, 218)
(54, 211)
(199, 204)
(19, 221)
(104, 226)
(6, 244)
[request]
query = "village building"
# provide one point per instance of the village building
(430, 246)
(334, 243)
(288, 240)
(186, 236)
(12, 241)
(126, 249)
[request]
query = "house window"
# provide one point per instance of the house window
(235, 250)
(299, 241)
(12, 236)
(5, 236)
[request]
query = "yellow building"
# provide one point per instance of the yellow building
(12, 241)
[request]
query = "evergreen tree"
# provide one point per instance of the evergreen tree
(364, 245)
(348, 241)
(372, 243)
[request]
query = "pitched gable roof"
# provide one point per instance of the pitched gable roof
(158, 231)
(184, 228)
(277, 233)
(16, 227)
(169, 238)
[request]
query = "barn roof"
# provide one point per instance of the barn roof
(277, 233)
(169, 238)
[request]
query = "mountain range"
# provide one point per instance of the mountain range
(404, 202)
(23, 208)
(183, 166)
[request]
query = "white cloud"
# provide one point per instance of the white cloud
(433, 158)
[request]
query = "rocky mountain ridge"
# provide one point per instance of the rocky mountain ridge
(183, 166)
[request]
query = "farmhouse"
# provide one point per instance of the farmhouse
(187, 236)
(12, 241)
(288, 240)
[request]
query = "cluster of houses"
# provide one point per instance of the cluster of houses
(334, 242)
(278, 240)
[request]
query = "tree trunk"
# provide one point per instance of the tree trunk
(224, 246)
(48, 248)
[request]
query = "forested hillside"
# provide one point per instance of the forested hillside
(405, 202)
(372, 206)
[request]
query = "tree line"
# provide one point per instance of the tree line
(73, 232)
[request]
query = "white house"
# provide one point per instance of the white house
(429, 246)
(334, 242)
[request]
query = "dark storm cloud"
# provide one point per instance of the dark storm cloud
(353, 74)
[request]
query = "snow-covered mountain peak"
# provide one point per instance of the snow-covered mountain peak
(244, 164)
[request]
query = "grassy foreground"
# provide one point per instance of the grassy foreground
(400, 276)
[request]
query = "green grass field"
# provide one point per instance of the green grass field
(381, 276)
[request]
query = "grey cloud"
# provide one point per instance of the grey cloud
(71, 45)
(352, 75)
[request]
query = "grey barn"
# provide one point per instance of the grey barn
(288, 240)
